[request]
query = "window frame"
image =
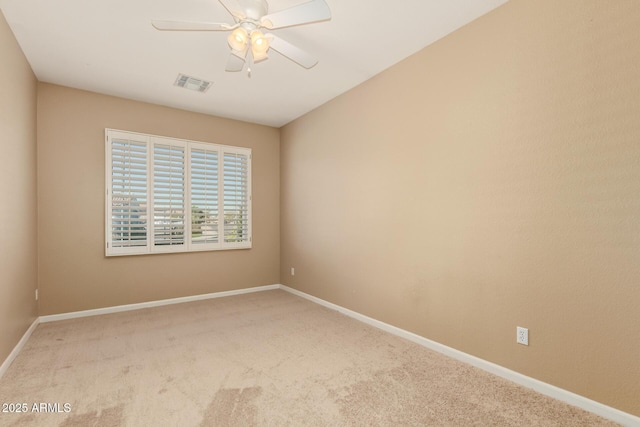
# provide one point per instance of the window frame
(188, 245)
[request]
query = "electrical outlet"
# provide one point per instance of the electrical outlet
(522, 336)
(36, 295)
(293, 271)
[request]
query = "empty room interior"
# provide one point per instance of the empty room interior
(411, 213)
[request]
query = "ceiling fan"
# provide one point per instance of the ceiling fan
(248, 43)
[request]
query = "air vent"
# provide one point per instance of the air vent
(192, 83)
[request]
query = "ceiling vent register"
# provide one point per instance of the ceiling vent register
(192, 83)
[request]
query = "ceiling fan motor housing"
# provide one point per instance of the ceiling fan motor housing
(254, 9)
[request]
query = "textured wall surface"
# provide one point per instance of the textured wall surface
(491, 180)
(74, 272)
(18, 227)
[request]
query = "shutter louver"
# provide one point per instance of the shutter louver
(204, 196)
(168, 195)
(128, 194)
(236, 197)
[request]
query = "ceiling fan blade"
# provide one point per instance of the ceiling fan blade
(235, 63)
(292, 52)
(305, 13)
(189, 26)
(234, 8)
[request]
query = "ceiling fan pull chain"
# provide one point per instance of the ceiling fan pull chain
(250, 64)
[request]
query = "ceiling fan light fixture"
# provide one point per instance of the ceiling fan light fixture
(238, 39)
(259, 45)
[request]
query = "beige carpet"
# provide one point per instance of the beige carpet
(267, 358)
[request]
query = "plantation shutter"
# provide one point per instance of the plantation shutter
(204, 196)
(168, 195)
(236, 197)
(172, 195)
(127, 204)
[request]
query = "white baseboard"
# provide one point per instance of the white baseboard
(158, 303)
(541, 387)
(16, 350)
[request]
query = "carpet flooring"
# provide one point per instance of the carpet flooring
(267, 359)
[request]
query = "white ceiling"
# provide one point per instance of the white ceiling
(110, 47)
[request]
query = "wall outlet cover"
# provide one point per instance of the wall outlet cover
(522, 335)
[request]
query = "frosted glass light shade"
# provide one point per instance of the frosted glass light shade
(238, 39)
(259, 46)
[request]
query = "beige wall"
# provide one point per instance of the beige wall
(18, 227)
(489, 181)
(74, 272)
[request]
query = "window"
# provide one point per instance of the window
(171, 195)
